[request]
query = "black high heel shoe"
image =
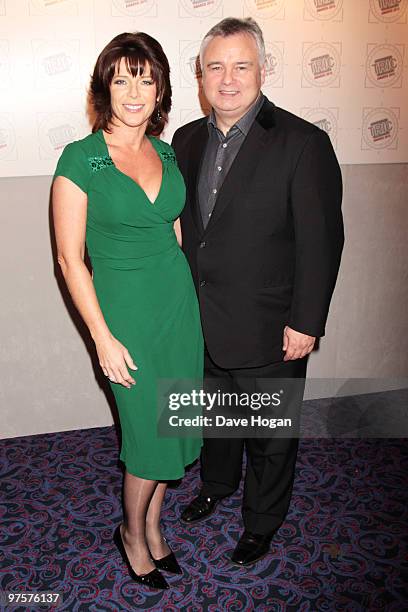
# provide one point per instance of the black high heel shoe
(153, 579)
(168, 563)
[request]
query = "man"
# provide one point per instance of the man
(263, 233)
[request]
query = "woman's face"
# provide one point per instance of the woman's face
(132, 98)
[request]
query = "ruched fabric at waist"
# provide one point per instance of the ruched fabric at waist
(130, 251)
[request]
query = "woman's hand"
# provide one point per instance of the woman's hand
(113, 359)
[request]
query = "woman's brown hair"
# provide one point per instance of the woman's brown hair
(136, 49)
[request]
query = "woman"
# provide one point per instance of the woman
(121, 191)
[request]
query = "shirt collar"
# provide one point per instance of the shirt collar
(244, 124)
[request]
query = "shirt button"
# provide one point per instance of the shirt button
(219, 168)
(214, 191)
(202, 283)
(224, 146)
(209, 214)
(203, 244)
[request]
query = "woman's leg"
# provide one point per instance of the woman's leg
(137, 495)
(156, 543)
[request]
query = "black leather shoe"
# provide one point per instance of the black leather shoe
(250, 548)
(199, 509)
(153, 579)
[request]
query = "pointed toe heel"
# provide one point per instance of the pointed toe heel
(169, 564)
(153, 579)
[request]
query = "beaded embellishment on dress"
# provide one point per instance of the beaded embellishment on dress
(98, 162)
(168, 156)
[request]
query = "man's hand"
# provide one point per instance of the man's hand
(295, 344)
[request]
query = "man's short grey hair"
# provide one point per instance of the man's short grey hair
(230, 26)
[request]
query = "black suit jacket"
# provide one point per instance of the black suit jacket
(270, 254)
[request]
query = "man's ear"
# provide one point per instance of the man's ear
(263, 73)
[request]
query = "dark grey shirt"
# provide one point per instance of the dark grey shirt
(218, 157)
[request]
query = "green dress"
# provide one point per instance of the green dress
(146, 293)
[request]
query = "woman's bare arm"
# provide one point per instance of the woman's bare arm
(69, 204)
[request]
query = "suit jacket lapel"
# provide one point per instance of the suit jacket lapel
(194, 165)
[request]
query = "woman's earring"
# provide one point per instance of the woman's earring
(158, 114)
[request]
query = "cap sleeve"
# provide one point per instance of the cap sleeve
(74, 165)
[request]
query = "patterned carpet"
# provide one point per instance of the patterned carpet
(342, 547)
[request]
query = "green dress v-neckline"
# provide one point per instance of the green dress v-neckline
(153, 141)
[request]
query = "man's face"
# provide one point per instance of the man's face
(232, 76)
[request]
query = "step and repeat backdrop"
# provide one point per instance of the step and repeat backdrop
(341, 64)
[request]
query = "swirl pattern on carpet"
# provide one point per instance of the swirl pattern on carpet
(343, 545)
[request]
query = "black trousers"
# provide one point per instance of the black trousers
(270, 461)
